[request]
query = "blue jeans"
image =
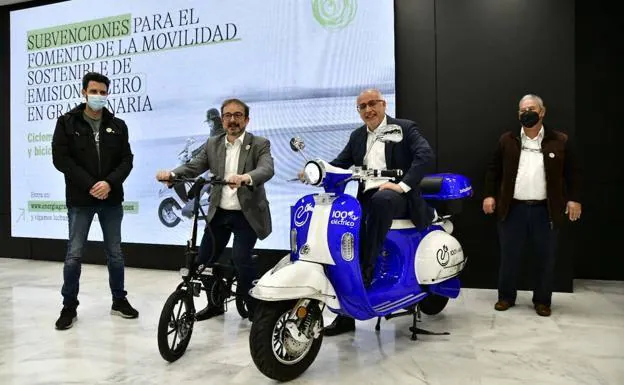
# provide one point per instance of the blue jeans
(80, 219)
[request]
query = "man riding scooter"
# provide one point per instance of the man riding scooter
(382, 201)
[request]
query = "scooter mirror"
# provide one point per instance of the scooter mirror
(391, 133)
(296, 144)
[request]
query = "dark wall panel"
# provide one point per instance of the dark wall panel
(415, 65)
(12, 247)
(4, 112)
(600, 133)
(489, 54)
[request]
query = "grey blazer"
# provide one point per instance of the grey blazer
(255, 159)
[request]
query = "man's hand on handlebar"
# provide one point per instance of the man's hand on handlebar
(236, 181)
(391, 186)
(164, 176)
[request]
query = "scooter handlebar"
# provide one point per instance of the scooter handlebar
(391, 173)
(365, 173)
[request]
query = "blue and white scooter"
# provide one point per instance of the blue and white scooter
(416, 270)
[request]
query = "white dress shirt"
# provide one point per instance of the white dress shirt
(375, 158)
(229, 199)
(531, 178)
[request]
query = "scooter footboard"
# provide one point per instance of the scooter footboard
(295, 280)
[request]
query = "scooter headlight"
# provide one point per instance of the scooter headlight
(313, 173)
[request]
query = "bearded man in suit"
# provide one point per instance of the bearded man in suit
(240, 158)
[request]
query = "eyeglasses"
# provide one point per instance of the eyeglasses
(236, 116)
(371, 103)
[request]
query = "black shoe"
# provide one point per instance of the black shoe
(67, 318)
(122, 308)
(209, 312)
(340, 325)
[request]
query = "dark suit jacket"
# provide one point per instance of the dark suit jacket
(412, 155)
(255, 159)
(563, 177)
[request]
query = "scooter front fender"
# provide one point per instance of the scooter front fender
(295, 280)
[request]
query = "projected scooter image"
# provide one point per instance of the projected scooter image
(416, 271)
(175, 204)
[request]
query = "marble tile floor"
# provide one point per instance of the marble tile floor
(581, 343)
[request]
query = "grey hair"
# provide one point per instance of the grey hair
(376, 90)
(539, 100)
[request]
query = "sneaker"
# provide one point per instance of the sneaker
(122, 307)
(67, 318)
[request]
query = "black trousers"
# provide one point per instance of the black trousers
(379, 208)
(223, 225)
(527, 222)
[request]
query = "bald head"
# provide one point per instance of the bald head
(372, 107)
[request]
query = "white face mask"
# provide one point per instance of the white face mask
(96, 102)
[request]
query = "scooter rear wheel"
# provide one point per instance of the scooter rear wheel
(175, 324)
(433, 304)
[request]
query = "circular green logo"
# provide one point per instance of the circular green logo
(334, 14)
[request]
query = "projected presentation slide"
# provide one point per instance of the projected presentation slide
(298, 64)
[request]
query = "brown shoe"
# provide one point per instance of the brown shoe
(543, 310)
(503, 305)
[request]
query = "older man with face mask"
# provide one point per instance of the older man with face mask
(533, 183)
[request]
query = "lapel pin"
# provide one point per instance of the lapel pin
(109, 130)
(247, 147)
(551, 155)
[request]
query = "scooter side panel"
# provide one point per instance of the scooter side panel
(438, 258)
(449, 288)
(343, 234)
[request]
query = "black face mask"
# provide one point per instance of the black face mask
(529, 118)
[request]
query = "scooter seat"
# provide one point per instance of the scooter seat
(399, 224)
(431, 185)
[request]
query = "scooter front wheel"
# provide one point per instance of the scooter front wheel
(275, 352)
(175, 326)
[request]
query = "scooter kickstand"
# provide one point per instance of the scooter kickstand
(416, 330)
(378, 327)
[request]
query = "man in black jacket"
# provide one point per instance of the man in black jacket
(382, 201)
(90, 147)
